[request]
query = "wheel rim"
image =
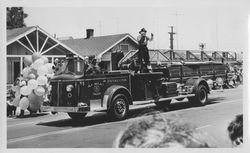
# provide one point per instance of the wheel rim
(203, 96)
(120, 107)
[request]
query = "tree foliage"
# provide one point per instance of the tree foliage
(15, 17)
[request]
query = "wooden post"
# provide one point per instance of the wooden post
(21, 63)
(187, 55)
(45, 41)
(37, 40)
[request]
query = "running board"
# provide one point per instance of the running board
(161, 99)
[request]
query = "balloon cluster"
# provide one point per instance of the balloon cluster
(33, 87)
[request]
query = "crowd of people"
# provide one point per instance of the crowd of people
(235, 76)
(11, 108)
(20, 81)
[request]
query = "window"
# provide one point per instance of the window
(124, 47)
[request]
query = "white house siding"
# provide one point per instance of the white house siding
(107, 56)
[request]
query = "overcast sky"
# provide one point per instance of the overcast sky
(222, 26)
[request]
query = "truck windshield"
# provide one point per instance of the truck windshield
(71, 66)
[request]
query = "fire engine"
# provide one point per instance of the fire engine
(77, 93)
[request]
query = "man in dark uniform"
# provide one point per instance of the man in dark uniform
(144, 55)
(143, 50)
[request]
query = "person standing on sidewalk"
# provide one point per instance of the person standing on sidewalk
(143, 49)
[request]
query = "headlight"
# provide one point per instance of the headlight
(69, 87)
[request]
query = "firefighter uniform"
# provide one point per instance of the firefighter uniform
(143, 49)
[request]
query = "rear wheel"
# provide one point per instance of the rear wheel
(163, 104)
(77, 116)
(119, 107)
(200, 97)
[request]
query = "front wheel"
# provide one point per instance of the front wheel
(200, 97)
(77, 116)
(119, 107)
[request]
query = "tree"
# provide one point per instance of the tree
(15, 17)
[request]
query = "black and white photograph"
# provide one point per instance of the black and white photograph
(124, 74)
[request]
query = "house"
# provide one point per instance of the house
(25, 41)
(103, 47)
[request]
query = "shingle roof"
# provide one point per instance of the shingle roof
(93, 45)
(13, 33)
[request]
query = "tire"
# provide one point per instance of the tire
(200, 98)
(77, 116)
(163, 104)
(119, 108)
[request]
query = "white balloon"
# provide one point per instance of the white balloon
(42, 70)
(25, 90)
(32, 76)
(42, 80)
(25, 72)
(45, 59)
(24, 103)
(39, 91)
(38, 63)
(32, 84)
(27, 60)
(36, 56)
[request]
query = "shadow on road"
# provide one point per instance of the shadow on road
(32, 115)
(100, 118)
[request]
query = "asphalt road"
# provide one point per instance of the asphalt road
(59, 131)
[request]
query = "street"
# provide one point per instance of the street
(45, 130)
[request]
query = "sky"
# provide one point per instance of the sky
(221, 26)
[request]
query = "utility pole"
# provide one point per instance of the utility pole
(202, 46)
(176, 14)
(171, 33)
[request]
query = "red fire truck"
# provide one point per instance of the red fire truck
(77, 93)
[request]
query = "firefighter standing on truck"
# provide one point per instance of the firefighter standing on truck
(143, 50)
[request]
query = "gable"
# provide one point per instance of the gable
(35, 39)
(119, 47)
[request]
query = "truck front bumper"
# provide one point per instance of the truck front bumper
(65, 109)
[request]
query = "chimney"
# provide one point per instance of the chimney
(89, 33)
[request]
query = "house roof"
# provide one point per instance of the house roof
(96, 45)
(13, 33)
(18, 33)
